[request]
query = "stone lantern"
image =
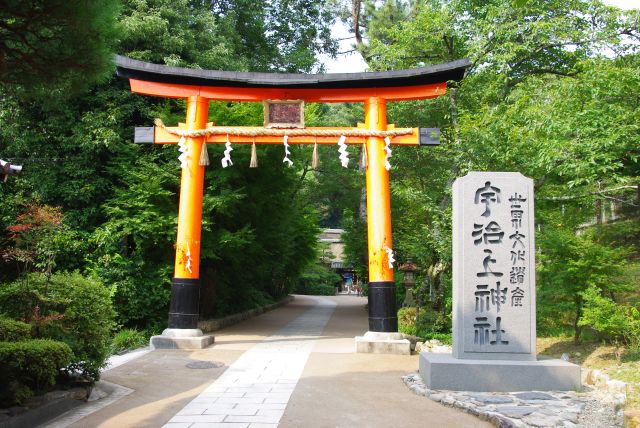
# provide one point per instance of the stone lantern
(409, 269)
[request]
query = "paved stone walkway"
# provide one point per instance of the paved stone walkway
(291, 367)
(255, 389)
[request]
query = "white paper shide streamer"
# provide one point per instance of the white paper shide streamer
(387, 149)
(390, 258)
(286, 151)
(226, 160)
(184, 153)
(344, 154)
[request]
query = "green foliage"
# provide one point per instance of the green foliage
(39, 239)
(355, 243)
(540, 98)
(277, 35)
(570, 264)
(120, 200)
(317, 273)
(424, 324)
(66, 307)
(40, 49)
(30, 366)
(613, 320)
(624, 233)
(317, 280)
(12, 330)
(316, 289)
(128, 339)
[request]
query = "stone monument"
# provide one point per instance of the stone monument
(494, 293)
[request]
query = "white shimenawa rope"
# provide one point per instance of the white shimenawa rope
(387, 149)
(286, 151)
(226, 160)
(344, 154)
(184, 153)
(390, 258)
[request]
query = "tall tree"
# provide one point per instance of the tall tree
(62, 44)
(121, 199)
(547, 94)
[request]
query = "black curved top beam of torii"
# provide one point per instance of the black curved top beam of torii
(176, 82)
(139, 70)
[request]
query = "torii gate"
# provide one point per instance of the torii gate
(198, 87)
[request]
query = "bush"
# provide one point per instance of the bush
(12, 331)
(128, 338)
(66, 307)
(318, 280)
(612, 320)
(30, 366)
(430, 325)
(316, 289)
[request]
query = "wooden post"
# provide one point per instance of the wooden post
(185, 290)
(382, 299)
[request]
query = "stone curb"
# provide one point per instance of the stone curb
(103, 394)
(210, 325)
(529, 409)
(53, 404)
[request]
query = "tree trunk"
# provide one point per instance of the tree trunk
(355, 15)
(576, 327)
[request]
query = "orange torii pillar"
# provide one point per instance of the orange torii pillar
(200, 86)
(185, 290)
(382, 294)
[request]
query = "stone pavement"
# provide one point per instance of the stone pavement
(256, 388)
(290, 367)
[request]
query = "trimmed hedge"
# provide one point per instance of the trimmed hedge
(316, 289)
(12, 330)
(67, 307)
(30, 366)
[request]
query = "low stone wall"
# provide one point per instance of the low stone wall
(210, 325)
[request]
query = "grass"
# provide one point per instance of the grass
(128, 339)
(615, 361)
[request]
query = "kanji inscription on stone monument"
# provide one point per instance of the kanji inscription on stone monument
(493, 267)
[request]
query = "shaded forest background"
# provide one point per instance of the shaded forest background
(553, 92)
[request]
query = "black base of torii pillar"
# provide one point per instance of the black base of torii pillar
(383, 336)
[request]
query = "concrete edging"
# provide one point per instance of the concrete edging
(53, 404)
(210, 325)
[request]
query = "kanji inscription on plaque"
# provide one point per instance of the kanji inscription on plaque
(283, 114)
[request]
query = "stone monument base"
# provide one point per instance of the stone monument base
(374, 342)
(181, 338)
(442, 371)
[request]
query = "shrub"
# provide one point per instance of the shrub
(30, 366)
(66, 307)
(11, 330)
(128, 338)
(429, 325)
(318, 280)
(612, 320)
(316, 289)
